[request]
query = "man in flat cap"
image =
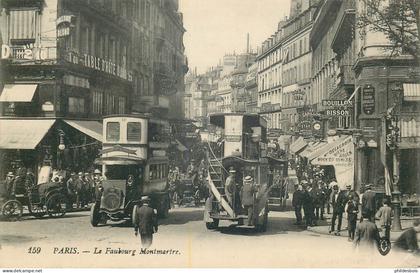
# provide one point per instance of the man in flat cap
(145, 222)
(230, 185)
(247, 197)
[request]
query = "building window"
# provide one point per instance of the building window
(133, 131)
(76, 105)
(113, 131)
(84, 40)
(97, 102)
(23, 25)
(121, 105)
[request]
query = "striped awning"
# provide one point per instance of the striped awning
(411, 91)
(22, 24)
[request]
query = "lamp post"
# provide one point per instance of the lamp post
(392, 139)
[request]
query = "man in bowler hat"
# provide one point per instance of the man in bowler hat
(145, 222)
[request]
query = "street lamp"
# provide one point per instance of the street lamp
(392, 140)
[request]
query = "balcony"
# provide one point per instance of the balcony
(20, 53)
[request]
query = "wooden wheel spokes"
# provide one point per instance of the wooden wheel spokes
(12, 208)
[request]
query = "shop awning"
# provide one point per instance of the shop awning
(298, 145)
(88, 127)
(312, 151)
(18, 92)
(24, 134)
(337, 153)
(411, 91)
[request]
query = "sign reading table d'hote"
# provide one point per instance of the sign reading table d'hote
(99, 64)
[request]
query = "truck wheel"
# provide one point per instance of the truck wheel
(212, 225)
(95, 217)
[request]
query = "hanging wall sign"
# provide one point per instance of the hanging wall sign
(368, 100)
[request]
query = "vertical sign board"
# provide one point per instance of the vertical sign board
(368, 99)
(233, 134)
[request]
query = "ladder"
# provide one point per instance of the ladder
(216, 183)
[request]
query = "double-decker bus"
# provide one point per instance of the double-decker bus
(134, 163)
(241, 146)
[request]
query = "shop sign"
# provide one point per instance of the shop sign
(232, 138)
(159, 153)
(99, 64)
(368, 100)
(337, 103)
(337, 112)
(76, 81)
(48, 107)
(339, 156)
(63, 25)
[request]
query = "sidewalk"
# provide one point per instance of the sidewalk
(323, 226)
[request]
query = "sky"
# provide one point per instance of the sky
(216, 27)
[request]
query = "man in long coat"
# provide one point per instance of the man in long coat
(368, 203)
(247, 197)
(145, 222)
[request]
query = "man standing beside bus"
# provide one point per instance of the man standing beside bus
(230, 185)
(247, 197)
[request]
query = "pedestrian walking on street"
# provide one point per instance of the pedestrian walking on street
(367, 235)
(408, 239)
(339, 201)
(384, 215)
(368, 203)
(352, 210)
(297, 201)
(145, 222)
(247, 197)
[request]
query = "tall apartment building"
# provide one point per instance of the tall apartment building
(270, 79)
(69, 62)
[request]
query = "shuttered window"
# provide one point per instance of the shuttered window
(22, 24)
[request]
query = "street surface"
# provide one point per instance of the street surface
(187, 242)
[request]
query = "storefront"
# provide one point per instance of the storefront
(62, 144)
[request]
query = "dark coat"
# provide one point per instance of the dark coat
(145, 220)
(352, 210)
(247, 194)
(297, 198)
(308, 202)
(368, 202)
(340, 202)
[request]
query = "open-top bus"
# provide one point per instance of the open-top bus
(242, 146)
(134, 164)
